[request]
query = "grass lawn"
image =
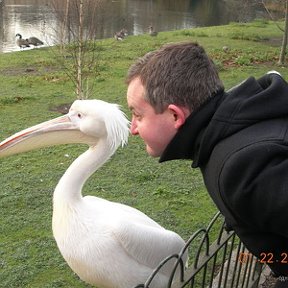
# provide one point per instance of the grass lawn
(34, 82)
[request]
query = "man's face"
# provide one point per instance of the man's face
(156, 130)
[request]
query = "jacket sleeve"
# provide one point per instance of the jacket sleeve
(253, 183)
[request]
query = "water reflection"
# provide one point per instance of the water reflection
(38, 18)
(28, 17)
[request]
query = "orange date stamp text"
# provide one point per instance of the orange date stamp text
(265, 258)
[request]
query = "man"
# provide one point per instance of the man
(239, 140)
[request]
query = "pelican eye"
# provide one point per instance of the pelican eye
(79, 115)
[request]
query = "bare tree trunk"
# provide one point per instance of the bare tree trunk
(77, 18)
(67, 20)
(285, 36)
(79, 89)
(65, 27)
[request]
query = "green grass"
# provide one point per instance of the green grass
(171, 193)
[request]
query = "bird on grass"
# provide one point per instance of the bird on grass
(152, 32)
(21, 43)
(120, 35)
(107, 244)
(35, 41)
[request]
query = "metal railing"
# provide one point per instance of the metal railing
(223, 263)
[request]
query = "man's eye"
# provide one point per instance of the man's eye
(136, 115)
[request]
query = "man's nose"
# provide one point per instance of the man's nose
(133, 127)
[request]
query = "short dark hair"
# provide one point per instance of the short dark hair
(178, 73)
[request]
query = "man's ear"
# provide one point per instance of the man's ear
(179, 113)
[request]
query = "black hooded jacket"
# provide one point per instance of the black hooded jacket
(239, 140)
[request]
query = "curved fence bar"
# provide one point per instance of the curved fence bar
(217, 259)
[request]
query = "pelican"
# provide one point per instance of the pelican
(105, 243)
(35, 41)
(22, 43)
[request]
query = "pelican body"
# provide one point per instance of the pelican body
(107, 244)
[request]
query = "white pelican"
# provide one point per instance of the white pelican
(107, 244)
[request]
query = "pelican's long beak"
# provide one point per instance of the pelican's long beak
(54, 132)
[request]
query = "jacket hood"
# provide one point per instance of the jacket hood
(227, 113)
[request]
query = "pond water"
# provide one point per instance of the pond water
(37, 17)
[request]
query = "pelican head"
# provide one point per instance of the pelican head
(87, 122)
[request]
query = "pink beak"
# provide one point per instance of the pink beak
(53, 132)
